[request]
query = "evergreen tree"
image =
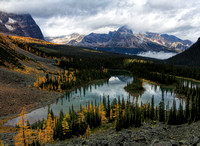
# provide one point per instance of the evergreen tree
(108, 108)
(137, 116)
(152, 108)
(180, 116)
(187, 111)
(162, 109)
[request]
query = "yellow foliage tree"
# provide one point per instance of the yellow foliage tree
(41, 137)
(65, 124)
(49, 129)
(102, 114)
(81, 117)
(111, 114)
(116, 111)
(88, 132)
(1, 143)
(23, 136)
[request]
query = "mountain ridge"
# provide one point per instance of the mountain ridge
(125, 38)
(20, 25)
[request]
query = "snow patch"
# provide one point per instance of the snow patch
(158, 55)
(9, 27)
(113, 79)
(10, 20)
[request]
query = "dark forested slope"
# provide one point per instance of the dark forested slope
(190, 57)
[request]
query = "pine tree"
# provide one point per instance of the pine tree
(187, 111)
(137, 116)
(156, 116)
(152, 108)
(111, 115)
(180, 116)
(108, 108)
(174, 112)
(117, 116)
(170, 117)
(193, 111)
(162, 109)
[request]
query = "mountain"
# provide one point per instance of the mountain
(169, 41)
(125, 38)
(125, 41)
(20, 25)
(190, 57)
(71, 39)
(122, 38)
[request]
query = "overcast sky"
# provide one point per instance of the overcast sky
(63, 17)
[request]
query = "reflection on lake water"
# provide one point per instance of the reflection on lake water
(114, 88)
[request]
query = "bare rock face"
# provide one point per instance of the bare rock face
(20, 25)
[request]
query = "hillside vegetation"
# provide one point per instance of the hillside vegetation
(32, 68)
(189, 57)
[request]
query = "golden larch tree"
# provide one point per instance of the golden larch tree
(49, 129)
(65, 124)
(1, 143)
(88, 132)
(23, 136)
(102, 114)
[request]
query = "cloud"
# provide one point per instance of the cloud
(158, 55)
(62, 17)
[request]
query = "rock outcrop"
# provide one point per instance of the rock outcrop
(20, 25)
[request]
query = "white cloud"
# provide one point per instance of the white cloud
(158, 55)
(62, 17)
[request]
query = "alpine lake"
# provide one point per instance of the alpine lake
(112, 87)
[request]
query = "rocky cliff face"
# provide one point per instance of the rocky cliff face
(21, 25)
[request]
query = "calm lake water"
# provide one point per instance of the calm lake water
(114, 88)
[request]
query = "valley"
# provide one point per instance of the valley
(51, 83)
(96, 88)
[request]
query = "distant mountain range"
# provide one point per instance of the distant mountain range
(190, 57)
(72, 39)
(125, 40)
(122, 40)
(20, 25)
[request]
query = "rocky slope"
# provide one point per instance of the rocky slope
(169, 41)
(155, 134)
(20, 25)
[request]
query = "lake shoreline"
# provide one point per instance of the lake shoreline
(161, 85)
(122, 79)
(47, 102)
